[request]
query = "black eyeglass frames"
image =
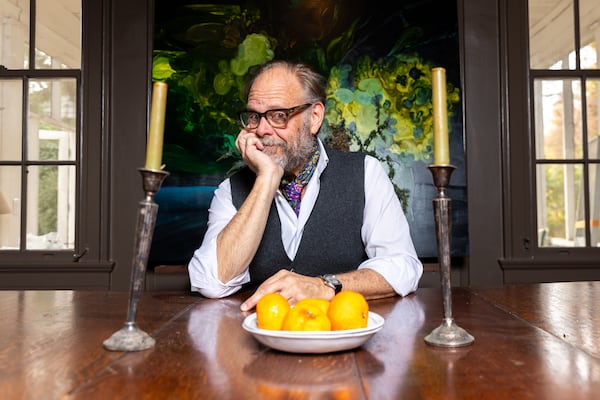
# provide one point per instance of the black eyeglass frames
(277, 118)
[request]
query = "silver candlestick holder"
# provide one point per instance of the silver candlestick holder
(448, 334)
(130, 337)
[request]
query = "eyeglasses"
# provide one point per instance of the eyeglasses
(277, 118)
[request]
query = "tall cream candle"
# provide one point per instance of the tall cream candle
(154, 147)
(441, 152)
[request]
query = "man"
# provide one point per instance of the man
(345, 229)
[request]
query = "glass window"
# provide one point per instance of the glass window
(11, 119)
(58, 34)
(39, 97)
(558, 185)
(558, 118)
(52, 114)
(50, 205)
(564, 79)
(589, 32)
(14, 33)
(10, 207)
(551, 34)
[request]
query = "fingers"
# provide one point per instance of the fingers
(240, 141)
(251, 148)
(246, 141)
(275, 284)
(249, 304)
(290, 285)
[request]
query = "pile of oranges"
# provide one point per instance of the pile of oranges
(347, 310)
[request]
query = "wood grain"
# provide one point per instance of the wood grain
(536, 341)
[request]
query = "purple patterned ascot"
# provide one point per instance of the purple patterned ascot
(292, 189)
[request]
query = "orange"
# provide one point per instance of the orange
(306, 317)
(348, 310)
(271, 310)
(321, 303)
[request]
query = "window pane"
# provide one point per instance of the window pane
(52, 108)
(551, 34)
(589, 11)
(58, 34)
(557, 187)
(593, 119)
(557, 107)
(581, 225)
(50, 207)
(11, 100)
(14, 33)
(595, 204)
(10, 213)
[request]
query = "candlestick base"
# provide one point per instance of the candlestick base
(129, 338)
(448, 334)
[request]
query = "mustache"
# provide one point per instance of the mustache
(273, 142)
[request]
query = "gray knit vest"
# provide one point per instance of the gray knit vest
(331, 242)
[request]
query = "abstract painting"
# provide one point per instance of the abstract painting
(377, 59)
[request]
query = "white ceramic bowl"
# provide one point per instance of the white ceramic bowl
(314, 341)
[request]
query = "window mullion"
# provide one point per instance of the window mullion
(24, 165)
(32, 36)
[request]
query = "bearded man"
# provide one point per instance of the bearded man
(301, 219)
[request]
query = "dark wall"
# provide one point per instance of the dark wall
(482, 124)
(128, 81)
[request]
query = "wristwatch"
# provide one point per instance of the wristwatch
(332, 281)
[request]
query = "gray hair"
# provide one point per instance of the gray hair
(314, 84)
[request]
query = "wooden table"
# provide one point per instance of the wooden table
(538, 341)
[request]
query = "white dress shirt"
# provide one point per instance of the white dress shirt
(385, 233)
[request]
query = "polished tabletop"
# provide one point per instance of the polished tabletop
(537, 341)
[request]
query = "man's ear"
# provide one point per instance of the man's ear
(317, 114)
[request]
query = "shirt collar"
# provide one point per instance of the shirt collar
(323, 159)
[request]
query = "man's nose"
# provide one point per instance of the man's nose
(264, 127)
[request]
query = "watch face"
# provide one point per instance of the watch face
(333, 282)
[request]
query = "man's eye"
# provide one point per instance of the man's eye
(253, 117)
(278, 115)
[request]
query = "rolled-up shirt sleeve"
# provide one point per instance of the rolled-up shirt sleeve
(386, 233)
(202, 268)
